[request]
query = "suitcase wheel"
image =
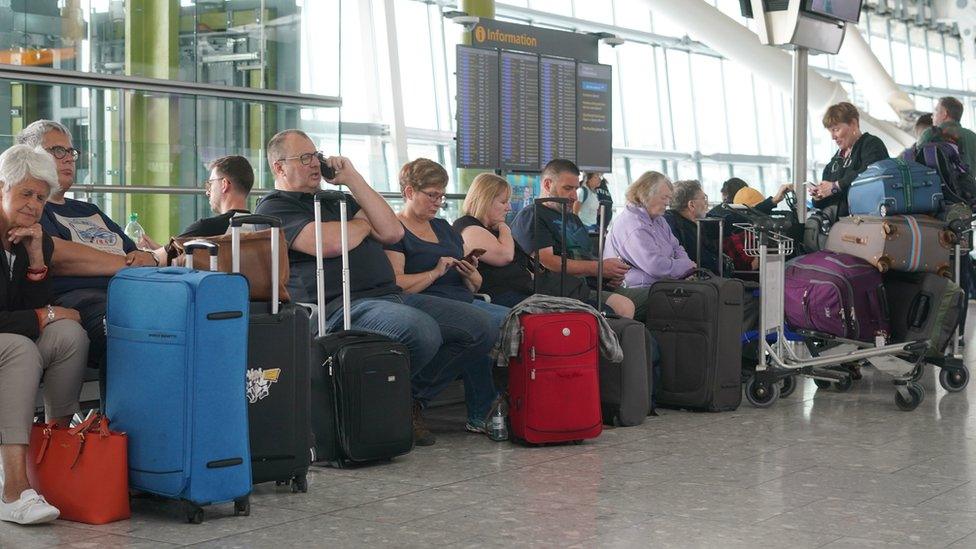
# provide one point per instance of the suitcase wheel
(884, 264)
(194, 513)
(954, 379)
(577, 442)
(242, 506)
(299, 484)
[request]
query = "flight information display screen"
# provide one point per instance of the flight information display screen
(557, 108)
(519, 109)
(594, 134)
(846, 10)
(477, 121)
(535, 96)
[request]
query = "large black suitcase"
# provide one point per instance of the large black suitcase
(361, 400)
(278, 345)
(923, 306)
(626, 387)
(697, 326)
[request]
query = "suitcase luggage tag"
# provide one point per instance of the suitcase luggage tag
(236, 223)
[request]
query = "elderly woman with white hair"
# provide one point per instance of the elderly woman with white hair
(642, 238)
(37, 340)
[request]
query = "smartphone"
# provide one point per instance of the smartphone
(327, 172)
(477, 252)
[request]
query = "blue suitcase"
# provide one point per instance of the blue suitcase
(176, 363)
(894, 187)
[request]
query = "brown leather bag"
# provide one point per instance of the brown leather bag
(255, 261)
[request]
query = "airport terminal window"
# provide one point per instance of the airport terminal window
(741, 101)
(682, 104)
(416, 65)
(710, 108)
(639, 97)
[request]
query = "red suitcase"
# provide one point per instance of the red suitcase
(553, 383)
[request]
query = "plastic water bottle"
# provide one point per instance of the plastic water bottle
(133, 229)
(498, 422)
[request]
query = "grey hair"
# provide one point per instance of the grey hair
(34, 133)
(684, 192)
(22, 161)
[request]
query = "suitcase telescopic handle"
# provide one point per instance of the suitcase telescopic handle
(330, 196)
(193, 245)
(255, 219)
(236, 223)
(339, 197)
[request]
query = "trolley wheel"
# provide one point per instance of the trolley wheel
(915, 396)
(822, 383)
(242, 506)
(281, 482)
(760, 393)
(954, 379)
(578, 442)
(299, 484)
(787, 386)
(843, 385)
(194, 513)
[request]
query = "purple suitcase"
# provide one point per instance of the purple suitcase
(836, 293)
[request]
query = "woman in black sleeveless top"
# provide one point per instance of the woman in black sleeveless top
(505, 268)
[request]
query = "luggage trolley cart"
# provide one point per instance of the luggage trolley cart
(777, 359)
(954, 376)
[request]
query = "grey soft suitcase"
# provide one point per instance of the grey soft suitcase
(626, 387)
(909, 243)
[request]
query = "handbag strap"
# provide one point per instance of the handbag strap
(46, 433)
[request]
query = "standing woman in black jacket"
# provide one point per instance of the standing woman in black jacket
(37, 341)
(855, 152)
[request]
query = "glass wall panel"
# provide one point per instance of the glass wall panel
(712, 125)
(682, 107)
(639, 97)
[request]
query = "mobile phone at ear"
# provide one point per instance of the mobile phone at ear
(327, 172)
(477, 252)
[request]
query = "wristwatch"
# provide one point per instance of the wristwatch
(50, 314)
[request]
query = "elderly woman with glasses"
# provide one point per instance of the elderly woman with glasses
(37, 341)
(640, 235)
(430, 259)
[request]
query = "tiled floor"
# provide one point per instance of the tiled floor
(819, 469)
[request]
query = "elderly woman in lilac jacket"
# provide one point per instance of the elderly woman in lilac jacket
(641, 236)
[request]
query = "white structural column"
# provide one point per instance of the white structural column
(705, 23)
(398, 130)
(871, 76)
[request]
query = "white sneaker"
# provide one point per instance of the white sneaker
(31, 508)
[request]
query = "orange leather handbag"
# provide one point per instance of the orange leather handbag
(83, 471)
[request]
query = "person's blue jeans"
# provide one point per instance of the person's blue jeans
(498, 312)
(445, 338)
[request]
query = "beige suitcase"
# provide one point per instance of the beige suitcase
(910, 243)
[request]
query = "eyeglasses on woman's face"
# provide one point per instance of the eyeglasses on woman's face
(434, 196)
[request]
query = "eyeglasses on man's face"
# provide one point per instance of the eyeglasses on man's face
(304, 158)
(60, 152)
(207, 183)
